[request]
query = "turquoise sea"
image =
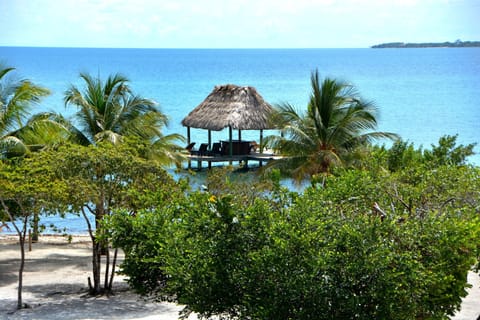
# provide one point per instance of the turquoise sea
(422, 93)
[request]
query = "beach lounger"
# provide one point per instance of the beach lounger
(216, 149)
(202, 150)
(190, 146)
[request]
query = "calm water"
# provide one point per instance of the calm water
(422, 93)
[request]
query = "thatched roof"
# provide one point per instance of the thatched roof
(230, 106)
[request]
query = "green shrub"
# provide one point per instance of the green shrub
(359, 248)
(142, 237)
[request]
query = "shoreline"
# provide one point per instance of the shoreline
(54, 239)
(55, 284)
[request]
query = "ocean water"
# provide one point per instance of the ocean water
(422, 94)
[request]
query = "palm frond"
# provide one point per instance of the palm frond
(17, 97)
(63, 124)
(166, 150)
(337, 122)
(11, 146)
(5, 70)
(108, 136)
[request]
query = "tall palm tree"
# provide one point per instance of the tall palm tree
(110, 111)
(19, 134)
(16, 98)
(336, 124)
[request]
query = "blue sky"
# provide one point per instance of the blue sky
(235, 24)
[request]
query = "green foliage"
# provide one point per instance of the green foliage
(142, 237)
(140, 229)
(104, 179)
(17, 97)
(246, 186)
(28, 186)
(113, 177)
(403, 155)
(363, 246)
(207, 275)
(110, 111)
(448, 153)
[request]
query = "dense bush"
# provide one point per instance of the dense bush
(398, 247)
(142, 238)
(403, 154)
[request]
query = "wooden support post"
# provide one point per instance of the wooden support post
(188, 142)
(240, 142)
(230, 145)
(260, 163)
(209, 147)
(261, 141)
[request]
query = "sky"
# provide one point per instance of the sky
(235, 24)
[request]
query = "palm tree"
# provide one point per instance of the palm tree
(336, 124)
(109, 111)
(19, 134)
(16, 99)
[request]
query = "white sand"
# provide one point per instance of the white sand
(55, 284)
(471, 303)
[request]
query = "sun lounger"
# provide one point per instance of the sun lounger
(202, 150)
(216, 149)
(190, 146)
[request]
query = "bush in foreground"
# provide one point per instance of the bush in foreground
(334, 253)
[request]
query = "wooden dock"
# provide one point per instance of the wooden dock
(244, 158)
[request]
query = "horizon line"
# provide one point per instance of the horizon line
(177, 48)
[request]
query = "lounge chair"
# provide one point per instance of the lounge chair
(202, 150)
(190, 146)
(216, 149)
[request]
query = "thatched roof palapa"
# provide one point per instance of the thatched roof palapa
(231, 106)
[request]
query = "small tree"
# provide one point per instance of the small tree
(102, 179)
(28, 187)
(403, 154)
(447, 152)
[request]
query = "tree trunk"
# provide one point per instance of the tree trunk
(113, 269)
(35, 233)
(96, 259)
(107, 269)
(20, 271)
(99, 248)
(21, 240)
(99, 214)
(96, 269)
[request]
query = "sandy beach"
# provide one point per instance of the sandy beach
(55, 285)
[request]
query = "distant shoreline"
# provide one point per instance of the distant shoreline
(456, 44)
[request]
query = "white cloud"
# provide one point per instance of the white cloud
(223, 23)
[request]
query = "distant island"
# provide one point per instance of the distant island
(456, 44)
